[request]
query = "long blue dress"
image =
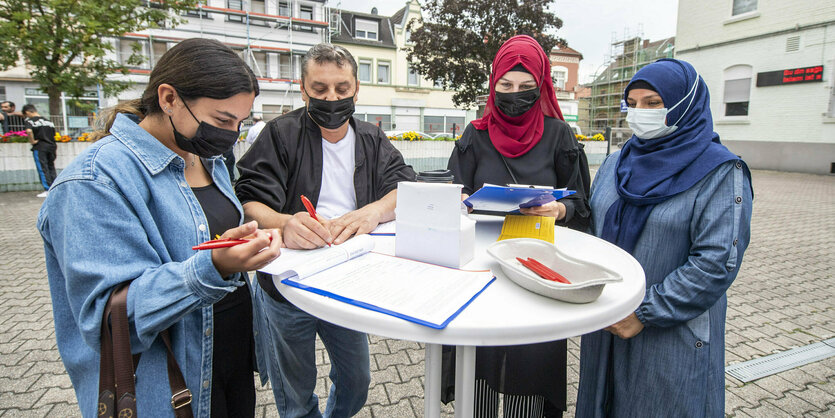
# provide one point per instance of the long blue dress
(691, 249)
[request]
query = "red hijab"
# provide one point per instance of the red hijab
(513, 137)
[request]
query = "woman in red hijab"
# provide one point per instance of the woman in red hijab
(523, 139)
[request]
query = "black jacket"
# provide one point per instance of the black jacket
(285, 162)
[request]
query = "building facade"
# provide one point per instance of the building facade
(770, 68)
(627, 56)
(565, 63)
(270, 35)
(392, 94)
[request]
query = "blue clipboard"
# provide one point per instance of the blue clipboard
(509, 199)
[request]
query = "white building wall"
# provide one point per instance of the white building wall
(706, 22)
(788, 127)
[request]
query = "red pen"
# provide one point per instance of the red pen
(311, 211)
(221, 243)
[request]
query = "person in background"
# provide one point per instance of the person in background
(4, 121)
(522, 139)
(41, 134)
(677, 200)
(255, 129)
(349, 170)
(129, 209)
(14, 119)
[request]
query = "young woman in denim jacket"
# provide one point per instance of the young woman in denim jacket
(130, 208)
(680, 203)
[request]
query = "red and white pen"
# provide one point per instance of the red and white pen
(311, 210)
(222, 243)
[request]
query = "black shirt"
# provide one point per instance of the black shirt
(44, 132)
(286, 162)
(557, 160)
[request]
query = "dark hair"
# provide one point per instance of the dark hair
(324, 52)
(11, 103)
(196, 68)
(29, 107)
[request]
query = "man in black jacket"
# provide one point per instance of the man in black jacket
(349, 170)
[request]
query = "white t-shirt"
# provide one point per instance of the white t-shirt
(337, 196)
(254, 131)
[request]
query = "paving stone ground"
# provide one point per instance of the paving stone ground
(783, 298)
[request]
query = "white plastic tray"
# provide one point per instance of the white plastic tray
(587, 278)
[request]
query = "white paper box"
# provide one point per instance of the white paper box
(430, 227)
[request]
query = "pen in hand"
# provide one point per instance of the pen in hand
(221, 243)
(311, 211)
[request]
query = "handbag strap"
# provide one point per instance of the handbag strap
(117, 366)
(181, 396)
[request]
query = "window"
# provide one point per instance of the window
(383, 73)
(235, 5)
(364, 71)
(457, 121)
(737, 90)
(2, 93)
(159, 49)
(195, 13)
(259, 63)
(284, 9)
(127, 48)
(443, 124)
(433, 124)
(366, 29)
(412, 77)
(285, 68)
(305, 12)
(559, 75)
(383, 121)
(743, 6)
(257, 6)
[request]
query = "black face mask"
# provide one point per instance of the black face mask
(330, 114)
(208, 141)
(516, 104)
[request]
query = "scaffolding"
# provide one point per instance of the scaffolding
(626, 56)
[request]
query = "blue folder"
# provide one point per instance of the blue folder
(509, 199)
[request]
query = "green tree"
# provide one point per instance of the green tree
(456, 44)
(66, 42)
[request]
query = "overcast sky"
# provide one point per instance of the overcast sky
(588, 25)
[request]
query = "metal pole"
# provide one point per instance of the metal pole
(454, 128)
(608, 140)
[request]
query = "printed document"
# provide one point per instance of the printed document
(423, 293)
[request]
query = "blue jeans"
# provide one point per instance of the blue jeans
(291, 362)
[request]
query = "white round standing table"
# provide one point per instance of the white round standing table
(504, 314)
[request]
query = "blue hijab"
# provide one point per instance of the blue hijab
(651, 171)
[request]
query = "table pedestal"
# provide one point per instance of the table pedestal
(464, 381)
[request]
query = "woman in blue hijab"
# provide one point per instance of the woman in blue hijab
(677, 200)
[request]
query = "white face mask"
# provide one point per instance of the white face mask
(652, 123)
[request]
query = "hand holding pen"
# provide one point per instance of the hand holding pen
(306, 230)
(246, 248)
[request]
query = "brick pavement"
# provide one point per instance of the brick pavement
(781, 299)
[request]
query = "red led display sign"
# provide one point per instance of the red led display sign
(790, 76)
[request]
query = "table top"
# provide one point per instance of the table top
(505, 313)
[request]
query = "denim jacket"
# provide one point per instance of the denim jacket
(123, 211)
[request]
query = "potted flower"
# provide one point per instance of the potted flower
(15, 137)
